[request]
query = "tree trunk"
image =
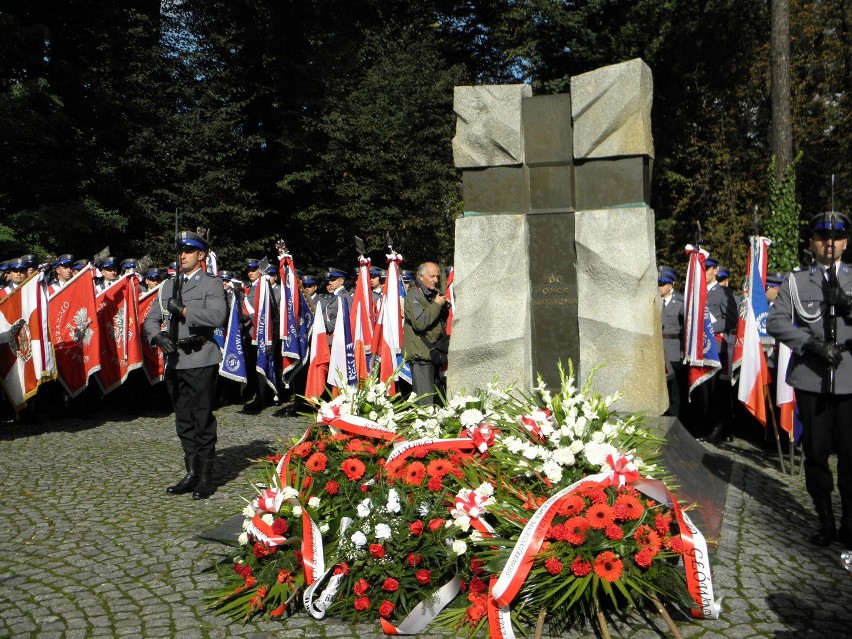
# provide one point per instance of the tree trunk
(782, 118)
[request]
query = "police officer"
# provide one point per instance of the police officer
(813, 316)
(152, 276)
(672, 335)
(335, 280)
(17, 273)
(109, 274)
(64, 273)
(194, 301)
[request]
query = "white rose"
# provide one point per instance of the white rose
(297, 511)
(462, 522)
(564, 456)
(359, 539)
(290, 492)
(459, 547)
(373, 415)
(576, 446)
(598, 437)
(365, 507)
(383, 531)
(313, 502)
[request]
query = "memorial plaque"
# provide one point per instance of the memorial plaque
(548, 134)
(612, 183)
(499, 189)
(553, 294)
(551, 188)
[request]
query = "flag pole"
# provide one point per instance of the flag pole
(771, 410)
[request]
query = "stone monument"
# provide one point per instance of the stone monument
(555, 256)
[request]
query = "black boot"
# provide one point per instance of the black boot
(845, 535)
(189, 480)
(827, 531)
(205, 486)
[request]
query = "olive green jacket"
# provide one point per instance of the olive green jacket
(422, 318)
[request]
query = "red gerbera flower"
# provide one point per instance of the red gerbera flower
(414, 473)
(580, 567)
(608, 566)
(553, 565)
(571, 505)
(575, 530)
(675, 544)
(353, 468)
(316, 463)
(438, 468)
(600, 515)
(647, 536)
(332, 487)
(304, 449)
(628, 508)
(354, 446)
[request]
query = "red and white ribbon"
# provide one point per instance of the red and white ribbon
(483, 435)
(317, 605)
(428, 444)
(363, 427)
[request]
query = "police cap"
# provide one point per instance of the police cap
(723, 274)
(830, 222)
(711, 262)
(109, 262)
(334, 273)
(252, 263)
(64, 260)
(153, 274)
(191, 241)
(666, 275)
(774, 280)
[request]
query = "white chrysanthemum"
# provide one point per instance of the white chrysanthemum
(459, 547)
(513, 444)
(365, 507)
(314, 501)
(323, 527)
(371, 396)
(423, 509)
(564, 456)
(249, 511)
(461, 401)
(246, 523)
(242, 539)
(531, 451)
(471, 417)
(268, 519)
(373, 415)
(359, 539)
(290, 492)
(297, 511)
(596, 454)
(383, 531)
(552, 470)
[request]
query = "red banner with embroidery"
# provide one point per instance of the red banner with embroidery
(121, 346)
(75, 331)
(153, 362)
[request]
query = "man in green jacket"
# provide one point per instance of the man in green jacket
(426, 311)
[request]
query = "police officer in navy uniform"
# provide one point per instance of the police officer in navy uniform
(812, 315)
(672, 335)
(192, 361)
(335, 280)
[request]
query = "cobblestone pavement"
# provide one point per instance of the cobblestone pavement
(91, 545)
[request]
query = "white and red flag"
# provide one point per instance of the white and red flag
(319, 358)
(749, 358)
(153, 362)
(121, 343)
(701, 356)
(26, 354)
(75, 332)
(387, 337)
(361, 319)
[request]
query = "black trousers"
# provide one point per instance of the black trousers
(827, 425)
(193, 394)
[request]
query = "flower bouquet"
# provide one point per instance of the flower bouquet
(486, 515)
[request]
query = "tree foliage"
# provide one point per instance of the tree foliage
(321, 119)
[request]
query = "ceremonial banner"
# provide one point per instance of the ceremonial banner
(701, 354)
(26, 354)
(341, 364)
(749, 358)
(296, 317)
(320, 355)
(121, 346)
(265, 356)
(387, 337)
(233, 364)
(75, 332)
(153, 362)
(361, 324)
